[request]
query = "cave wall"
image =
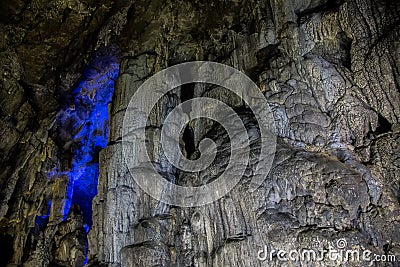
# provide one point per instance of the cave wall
(45, 46)
(328, 69)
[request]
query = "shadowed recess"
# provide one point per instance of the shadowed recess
(6, 248)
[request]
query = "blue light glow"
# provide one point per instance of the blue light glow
(86, 260)
(41, 221)
(87, 122)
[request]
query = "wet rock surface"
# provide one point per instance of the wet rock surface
(328, 69)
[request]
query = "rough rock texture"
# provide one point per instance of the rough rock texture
(44, 46)
(330, 71)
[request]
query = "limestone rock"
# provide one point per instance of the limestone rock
(329, 70)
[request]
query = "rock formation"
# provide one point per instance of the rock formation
(329, 69)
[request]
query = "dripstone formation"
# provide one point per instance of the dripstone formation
(329, 69)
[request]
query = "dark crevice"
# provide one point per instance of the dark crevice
(252, 26)
(267, 53)
(198, 35)
(187, 93)
(6, 248)
(188, 139)
(345, 44)
(28, 93)
(264, 58)
(384, 126)
(66, 14)
(237, 28)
